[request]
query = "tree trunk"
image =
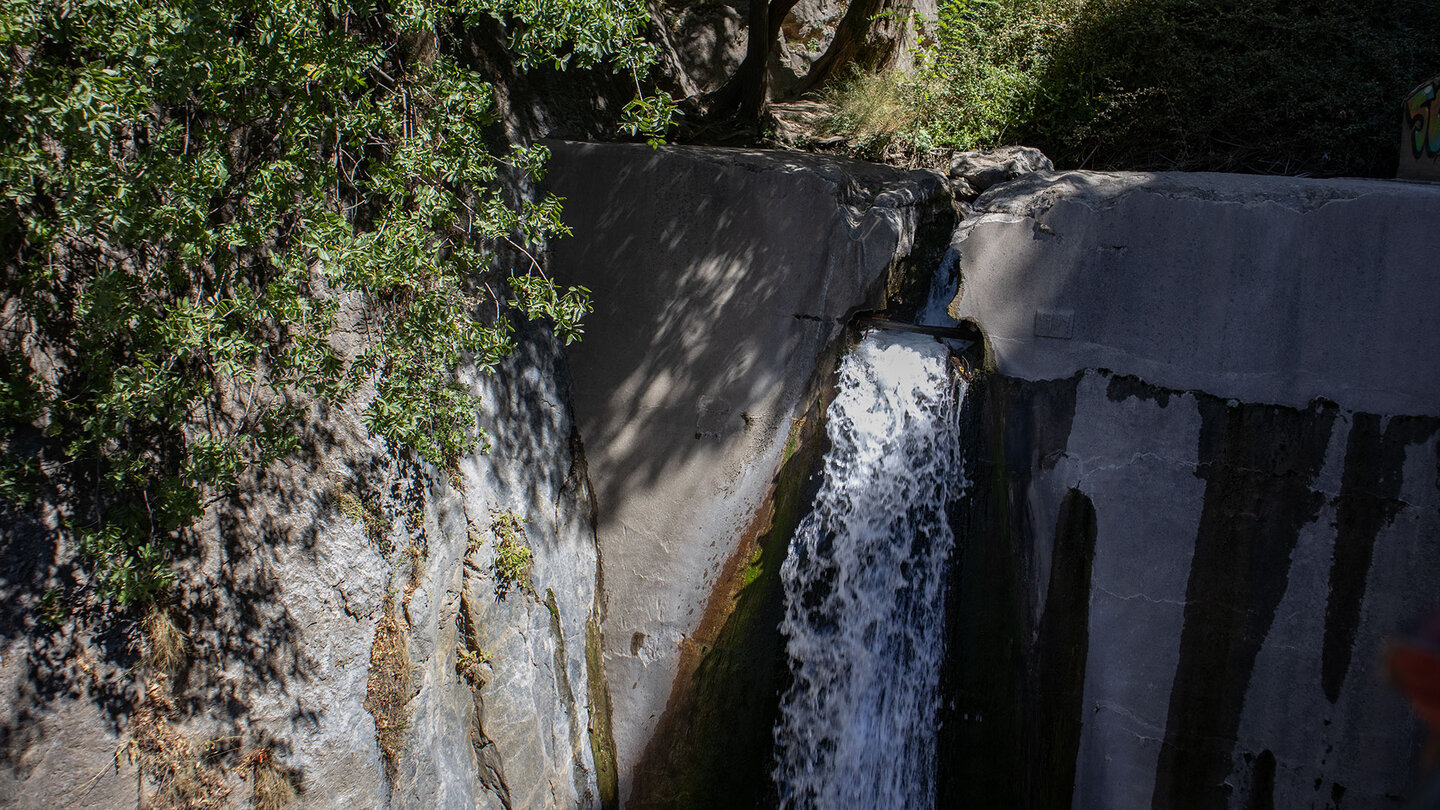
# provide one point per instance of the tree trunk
(749, 88)
(860, 40)
(754, 74)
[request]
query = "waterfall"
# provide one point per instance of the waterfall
(865, 586)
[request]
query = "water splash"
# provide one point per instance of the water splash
(865, 586)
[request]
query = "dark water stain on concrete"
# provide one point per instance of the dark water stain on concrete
(1258, 463)
(1009, 428)
(1122, 387)
(1262, 782)
(1369, 499)
(1061, 646)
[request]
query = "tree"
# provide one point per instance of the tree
(196, 192)
(868, 36)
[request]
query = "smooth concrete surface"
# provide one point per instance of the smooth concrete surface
(719, 277)
(1243, 383)
(1264, 289)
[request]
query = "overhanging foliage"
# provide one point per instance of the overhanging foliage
(216, 214)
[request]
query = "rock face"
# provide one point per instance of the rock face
(707, 39)
(722, 278)
(345, 590)
(972, 173)
(1206, 491)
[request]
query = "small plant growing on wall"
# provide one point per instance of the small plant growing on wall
(469, 663)
(512, 555)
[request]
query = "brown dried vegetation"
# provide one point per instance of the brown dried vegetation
(181, 771)
(389, 687)
(164, 643)
(272, 786)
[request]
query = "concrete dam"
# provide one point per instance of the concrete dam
(1199, 487)
(866, 488)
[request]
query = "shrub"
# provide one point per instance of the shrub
(512, 556)
(193, 193)
(1236, 85)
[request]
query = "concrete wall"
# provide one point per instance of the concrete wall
(720, 278)
(1208, 489)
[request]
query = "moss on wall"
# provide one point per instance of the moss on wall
(602, 740)
(713, 746)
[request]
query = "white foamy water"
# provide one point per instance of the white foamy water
(865, 587)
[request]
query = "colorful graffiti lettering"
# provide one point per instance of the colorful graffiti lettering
(1424, 112)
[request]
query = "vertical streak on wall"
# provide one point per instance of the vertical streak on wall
(1262, 783)
(1061, 645)
(1009, 428)
(1258, 463)
(1368, 501)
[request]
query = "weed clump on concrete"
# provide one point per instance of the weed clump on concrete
(512, 556)
(388, 688)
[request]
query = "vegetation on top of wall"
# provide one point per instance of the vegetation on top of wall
(1253, 86)
(215, 214)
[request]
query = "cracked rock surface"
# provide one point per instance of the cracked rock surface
(282, 616)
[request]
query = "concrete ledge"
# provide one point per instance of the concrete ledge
(1264, 289)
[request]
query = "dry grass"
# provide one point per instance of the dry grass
(389, 688)
(415, 557)
(165, 646)
(272, 787)
(871, 106)
(182, 772)
(875, 112)
(368, 515)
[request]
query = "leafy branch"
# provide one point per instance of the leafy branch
(195, 198)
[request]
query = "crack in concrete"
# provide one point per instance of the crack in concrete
(1135, 719)
(1146, 597)
(1135, 458)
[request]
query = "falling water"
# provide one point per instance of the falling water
(865, 586)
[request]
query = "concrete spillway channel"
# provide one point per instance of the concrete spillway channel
(1202, 447)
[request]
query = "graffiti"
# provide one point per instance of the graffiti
(1424, 116)
(1420, 133)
